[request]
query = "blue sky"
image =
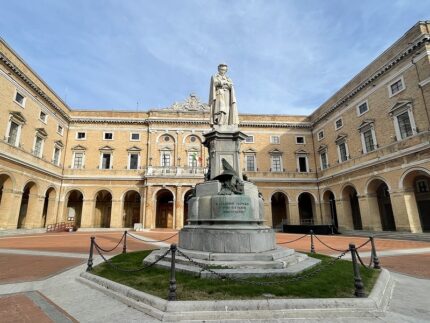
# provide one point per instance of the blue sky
(285, 57)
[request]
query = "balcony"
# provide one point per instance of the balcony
(173, 171)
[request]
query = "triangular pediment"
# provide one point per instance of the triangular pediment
(249, 151)
(275, 152)
(399, 105)
(166, 148)
(191, 149)
(59, 143)
(18, 116)
(322, 148)
(365, 123)
(301, 152)
(106, 148)
(79, 147)
(42, 132)
(134, 148)
(340, 137)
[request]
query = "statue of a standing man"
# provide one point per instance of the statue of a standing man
(222, 99)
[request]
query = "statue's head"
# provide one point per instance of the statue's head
(222, 68)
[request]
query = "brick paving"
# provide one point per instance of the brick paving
(20, 308)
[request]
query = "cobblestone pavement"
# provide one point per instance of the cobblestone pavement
(28, 262)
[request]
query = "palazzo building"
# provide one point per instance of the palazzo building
(361, 160)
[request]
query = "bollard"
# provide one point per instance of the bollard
(90, 258)
(312, 242)
(172, 285)
(358, 283)
(124, 244)
(375, 258)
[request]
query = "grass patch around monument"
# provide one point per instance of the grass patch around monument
(333, 281)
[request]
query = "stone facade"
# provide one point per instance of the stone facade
(362, 159)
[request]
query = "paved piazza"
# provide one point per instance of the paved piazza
(38, 271)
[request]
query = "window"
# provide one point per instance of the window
(193, 139)
(60, 130)
(107, 135)
(81, 135)
(422, 186)
(362, 108)
(106, 161)
(43, 117)
(405, 127)
(78, 160)
(396, 87)
(13, 135)
(338, 124)
(302, 164)
(249, 139)
(165, 158)
(20, 99)
(275, 140)
(134, 136)
(133, 161)
(192, 159)
(38, 146)
(343, 151)
(300, 140)
(250, 163)
(276, 163)
(323, 158)
(320, 135)
(56, 156)
(369, 143)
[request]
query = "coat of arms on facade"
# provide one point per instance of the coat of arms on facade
(192, 103)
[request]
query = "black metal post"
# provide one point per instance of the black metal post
(124, 244)
(90, 257)
(374, 256)
(358, 283)
(312, 241)
(172, 285)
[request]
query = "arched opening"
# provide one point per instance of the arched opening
(74, 207)
(306, 208)
(187, 196)
(279, 205)
(164, 215)
(329, 207)
(6, 199)
(131, 209)
(380, 203)
(103, 209)
(352, 207)
(48, 207)
(418, 182)
(28, 201)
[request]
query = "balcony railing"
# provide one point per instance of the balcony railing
(175, 171)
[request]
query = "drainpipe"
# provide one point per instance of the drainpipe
(422, 92)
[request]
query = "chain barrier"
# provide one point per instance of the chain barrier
(113, 266)
(361, 261)
(294, 239)
(241, 280)
(105, 250)
(363, 244)
(339, 250)
(151, 241)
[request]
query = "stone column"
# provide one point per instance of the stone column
(150, 209)
(52, 211)
(143, 206)
(87, 218)
(344, 215)
(268, 213)
(178, 220)
(369, 211)
(317, 213)
(405, 211)
(116, 215)
(294, 213)
(33, 217)
(9, 208)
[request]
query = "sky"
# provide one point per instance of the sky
(284, 57)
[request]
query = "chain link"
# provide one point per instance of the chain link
(339, 250)
(105, 250)
(363, 244)
(241, 280)
(113, 266)
(294, 239)
(361, 261)
(151, 241)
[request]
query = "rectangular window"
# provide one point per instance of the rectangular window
(396, 87)
(276, 164)
(368, 141)
(275, 140)
(78, 161)
(81, 135)
(249, 139)
(362, 108)
(343, 154)
(422, 186)
(13, 134)
(338, 123)
(250, 163)
(56, 157)
(20, 99)
(107, 135)
(303, 167)
(300, 140)
(43, 116)
(38, 147)
(134, 161)
(134, 136)
(165, 159)
(405, 126)
(192, 159)
(320, 135)
(106, 161)
(60, 130)
(324, 163)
